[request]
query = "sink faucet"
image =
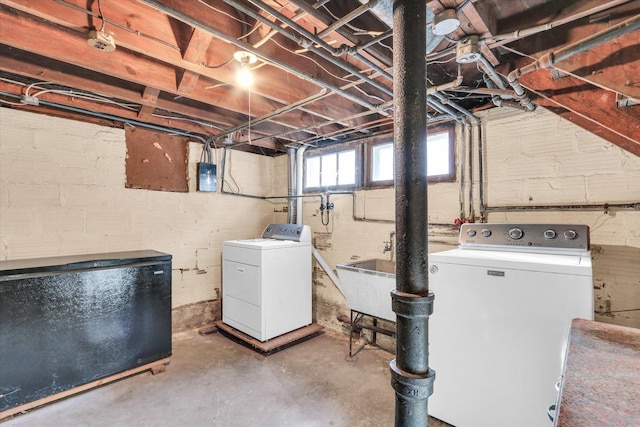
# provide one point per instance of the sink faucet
(388, 246)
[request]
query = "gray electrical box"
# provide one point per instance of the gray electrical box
(207, 177)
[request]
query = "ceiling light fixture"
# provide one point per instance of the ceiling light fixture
(468, 50)
(100, 40)
(445, 22)
(244, 76)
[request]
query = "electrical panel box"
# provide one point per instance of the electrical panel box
(207, 177)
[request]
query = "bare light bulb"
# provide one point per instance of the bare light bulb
(244, 76)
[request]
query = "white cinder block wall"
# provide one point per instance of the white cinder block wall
(531, 159)
(62, 193)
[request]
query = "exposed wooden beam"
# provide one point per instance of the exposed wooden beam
(482, 22)
(44, 69)
(70, 48)
(559, 13)
(149, 101)
(124, 114)
(159, 44)
(194, 53)
(590, 107)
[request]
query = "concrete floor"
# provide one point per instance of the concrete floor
(213, 381)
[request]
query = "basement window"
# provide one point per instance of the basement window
(332, 170)
(440, 159)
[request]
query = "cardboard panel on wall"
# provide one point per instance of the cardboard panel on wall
(156, 160)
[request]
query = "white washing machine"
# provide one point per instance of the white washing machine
(504, 301)
(266, 283)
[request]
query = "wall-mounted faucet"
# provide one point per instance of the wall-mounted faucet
(388, 246)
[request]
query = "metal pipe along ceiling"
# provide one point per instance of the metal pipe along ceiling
(549, 59)
(157, 4)
(308, 40)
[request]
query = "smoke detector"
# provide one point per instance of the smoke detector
(101, 41)
(468, 50)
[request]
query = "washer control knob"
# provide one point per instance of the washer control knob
(516, 233)
(570, 234)
(486, 232)
(471, 233)
(550, 234)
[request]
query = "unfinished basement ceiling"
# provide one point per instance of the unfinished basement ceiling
(323, 73)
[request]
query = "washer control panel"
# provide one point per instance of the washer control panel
(525, 236)
(295, 232)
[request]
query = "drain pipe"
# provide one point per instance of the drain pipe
(452, 84)
(300, 182)
(411, 377)
(481, 172)
(446, 101)
(443, 109)
(486, 66)
(549, 59)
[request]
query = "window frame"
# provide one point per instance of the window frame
(451, 176)
(337, 149)
(364, 157)
(368, 178)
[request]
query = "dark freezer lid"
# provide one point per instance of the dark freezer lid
(80, 262)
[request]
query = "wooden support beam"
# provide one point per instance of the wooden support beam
(16, 62)
(559, 13)
(125, 114)
(71, 49)
(159, 45)
(194, 53)
(588, 106)
(149, 101)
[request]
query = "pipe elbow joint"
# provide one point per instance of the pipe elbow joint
(546, 61)
(342, 49)
(513, 76)
(305, 44)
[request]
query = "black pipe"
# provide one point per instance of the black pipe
(411, 377)
(481, 171)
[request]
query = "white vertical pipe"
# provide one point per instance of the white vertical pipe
(299, 182)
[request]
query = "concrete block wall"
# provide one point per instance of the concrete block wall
(530, 159)
(62, 193)
(540, 159)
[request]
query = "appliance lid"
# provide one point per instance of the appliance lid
(572, 264)
(263, 244)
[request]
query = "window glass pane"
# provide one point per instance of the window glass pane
(313, 172)
(329, 170)
(438, 154)
(382, 162)
(347, 167)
